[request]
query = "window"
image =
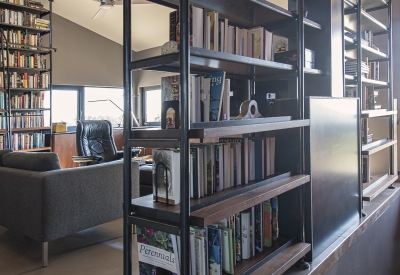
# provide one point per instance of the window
(65, 106)
(151, 105)
(104, 103)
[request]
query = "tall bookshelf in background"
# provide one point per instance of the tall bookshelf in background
(26, 65)
(365, 67)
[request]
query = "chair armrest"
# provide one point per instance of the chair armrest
(135, 152)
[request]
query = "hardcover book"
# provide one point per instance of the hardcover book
(227, 260)
(258, 238)
(245, 234)
(217, 82)
(267, 224)
(214, 251)
(166, 175)
(157, 252)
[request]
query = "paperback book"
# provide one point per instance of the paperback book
(157, 252)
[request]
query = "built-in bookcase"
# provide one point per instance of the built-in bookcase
(26, 75)
(369, 76)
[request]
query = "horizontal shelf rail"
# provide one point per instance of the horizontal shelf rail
(17, 27)
(203, 60)
(217, 129)
(377, 113)
(18, 130)
(374, 147)
(30, 109)
(156, 225)
(372, 54)
(378, 186)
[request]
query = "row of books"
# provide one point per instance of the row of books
(23, 37)
(28, 100)
(213, 167)
(28, 3)
(3, 142)
(351, 68)
(367, 38)
(215, 249)
(28, 141)
(24, 19)
(27, 120)
(28, 81)
(21, 60)
(209, 31)
(209, 99)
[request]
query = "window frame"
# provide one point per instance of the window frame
(143, 91)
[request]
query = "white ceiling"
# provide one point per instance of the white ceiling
(150, 26)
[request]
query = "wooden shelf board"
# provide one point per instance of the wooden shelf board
(29, 48)
(370, 4)
(22, 8)
(3, 131)
(368, 22)
(249, 266)
(26, 69)
(11, 26)
(377, 113)
(237, 127)
(378, 186)
(26, 90)
(203, 60)
(3, 111)
(372, 54)
(30, 110)
(216, 212)
(17, 130)
(377, 148)
(284, 260)
(352, 82)
(35, 149)
(205, 211)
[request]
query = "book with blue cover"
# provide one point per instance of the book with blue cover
(217, 81)
(214, 251)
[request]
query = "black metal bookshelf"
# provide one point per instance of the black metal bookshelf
(176, 219)
(357, 19)
(10, 91)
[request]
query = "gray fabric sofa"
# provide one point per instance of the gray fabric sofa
(52, 204)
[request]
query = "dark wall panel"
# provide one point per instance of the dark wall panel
(331, 146)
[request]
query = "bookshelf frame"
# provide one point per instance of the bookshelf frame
(176, 219)
(361, 20)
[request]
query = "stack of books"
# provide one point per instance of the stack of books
(351, 68)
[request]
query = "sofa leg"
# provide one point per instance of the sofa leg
(45, 254)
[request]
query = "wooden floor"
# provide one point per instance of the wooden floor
(97, 250)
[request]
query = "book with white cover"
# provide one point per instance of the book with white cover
(166, 175)
(245, 234)
(227, 256)
(198, 24)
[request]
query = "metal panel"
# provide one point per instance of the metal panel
(332, 149)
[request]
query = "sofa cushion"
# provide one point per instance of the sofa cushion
(2, 153)
(39, 162)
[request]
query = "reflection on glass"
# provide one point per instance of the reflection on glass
(100, 104)
(153, 105)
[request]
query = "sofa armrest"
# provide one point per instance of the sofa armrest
(48, 205)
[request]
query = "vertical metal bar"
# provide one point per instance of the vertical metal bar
(392, 169)
(127, 11)
(365, 131)
(300, 106)
(45, 254)
(344, 50)
(51, 67)
(361, 100)
(184, 113)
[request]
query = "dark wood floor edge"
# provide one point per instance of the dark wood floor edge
(356, 233)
